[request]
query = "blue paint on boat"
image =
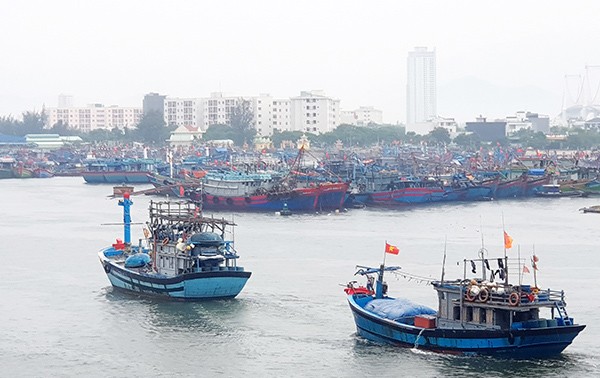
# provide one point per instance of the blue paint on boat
(475, 317)
(186, 258)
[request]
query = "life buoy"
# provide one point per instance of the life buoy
(469, 295)
(107, 267)
(215, 199)
(484, 295)
(514, 299)
(165, 241)
(229, 201)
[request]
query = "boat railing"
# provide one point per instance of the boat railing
(510, 295)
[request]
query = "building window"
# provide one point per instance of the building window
(307, 121)
(314, 114)
(315, 121)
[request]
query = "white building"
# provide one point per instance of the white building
(424, 128)
(95, 116)
(314, 112)
(311, 111)
(421, 87)
(183, 112)
(363, 116)
(527, 121)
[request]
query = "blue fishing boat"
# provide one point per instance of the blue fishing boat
(476, 316)
(117, 171)
(183, 255)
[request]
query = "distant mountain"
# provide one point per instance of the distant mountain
(467, 98)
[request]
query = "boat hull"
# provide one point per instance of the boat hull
(116, 177)
(221, 283)
(407, 196)
(322, 197)
(518, 343)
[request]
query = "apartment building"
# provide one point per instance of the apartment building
(95, 116)
(314, 112)
(363, 116)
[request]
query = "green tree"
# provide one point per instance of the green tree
(219, 132)
(241, 121)
(9, 125)
(33, 123)
(438, 136)
(61, 128)
(468, 141)
(152, 128)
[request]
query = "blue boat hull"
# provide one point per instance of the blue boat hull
(518, 343)
(222, 283)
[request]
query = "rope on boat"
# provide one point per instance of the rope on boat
(413, 277)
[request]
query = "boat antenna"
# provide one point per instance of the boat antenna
(505, 257)
(519, 264)
(444, 260)
(384, 253)
(482, 251)
(534, 266)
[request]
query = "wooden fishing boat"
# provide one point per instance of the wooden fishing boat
(183, 255)
(475, 315)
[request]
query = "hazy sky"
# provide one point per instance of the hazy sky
(113, 52)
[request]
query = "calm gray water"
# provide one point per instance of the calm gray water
(60, 317)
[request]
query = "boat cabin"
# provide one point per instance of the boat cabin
(185, 242)
(480, 303)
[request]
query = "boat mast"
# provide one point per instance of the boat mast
(126, 203)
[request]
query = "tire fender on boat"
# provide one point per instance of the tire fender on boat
(248, 199)
(514, 299)
(229, 201)
(484, 295)
(215, 199)
(107, 267)
(471, 293)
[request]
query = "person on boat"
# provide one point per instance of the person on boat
(180, 245)
(370, 282)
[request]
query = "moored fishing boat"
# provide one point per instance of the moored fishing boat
(475, 316)
(186, 256)
(117, 171)
(323, 196)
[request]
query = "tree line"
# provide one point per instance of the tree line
(152, 129)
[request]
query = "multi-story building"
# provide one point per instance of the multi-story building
(363, 116)
(314, 112)
(268, 113)
(311, 111)
(183, 111)
(95, 116)
(154, 102)
(421, 87)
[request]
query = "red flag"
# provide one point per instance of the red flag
(507, 241)
(391, 249)
(181, 191)
(525, 269)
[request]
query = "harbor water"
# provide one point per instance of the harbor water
(59, 315)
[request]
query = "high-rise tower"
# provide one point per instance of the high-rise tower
(421, 87)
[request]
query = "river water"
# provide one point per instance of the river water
(60, 317)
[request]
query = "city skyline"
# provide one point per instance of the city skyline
(115, 52)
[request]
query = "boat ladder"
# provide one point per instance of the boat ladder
(562, 312)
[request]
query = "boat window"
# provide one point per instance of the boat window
(469, 314)
(482, 315)
(456, 313)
